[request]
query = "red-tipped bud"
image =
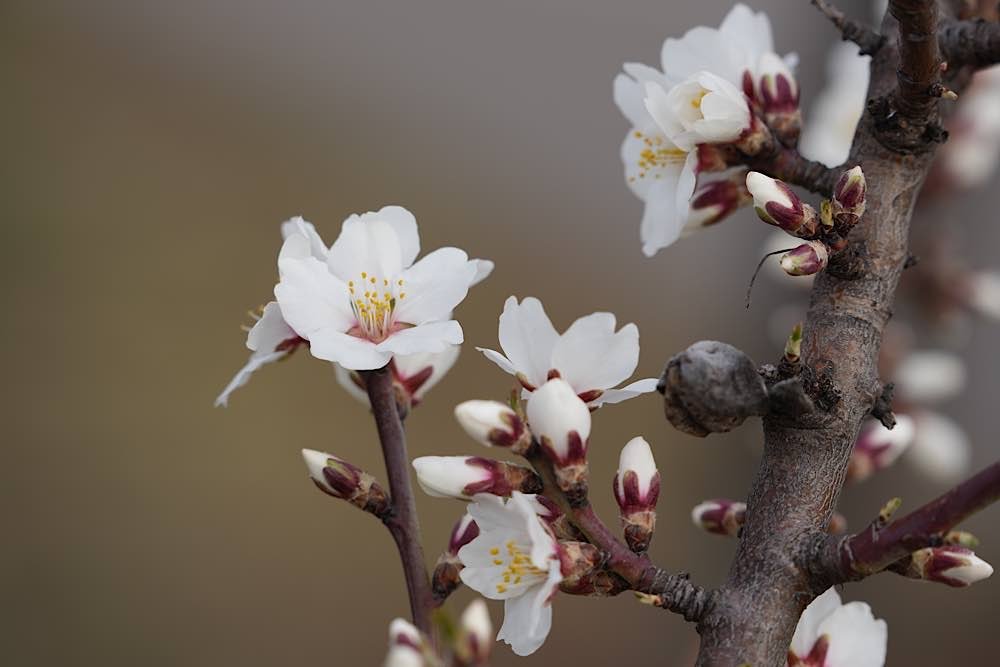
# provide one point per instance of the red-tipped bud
(561, 422)
(716, 200)
(464, 476)
(776, 204)
(464, 532)
(807, 259)
(878, 447)
(475, 635)
(445, 577)
(340, 479)
(848, 203)
(578, 562)
(949, 565)
(637, 488)
(407, 646)
(493, 424)
(720, 516)
(777, 96)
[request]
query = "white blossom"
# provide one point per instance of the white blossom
(833, 634)
(591, 356)
(830, 124)
(515, 558)
(415, 374)
(702, 109)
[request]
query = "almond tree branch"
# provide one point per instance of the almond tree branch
(874, 549)
(402, 520)
(675, 592)
(975, 43)
(867, 39)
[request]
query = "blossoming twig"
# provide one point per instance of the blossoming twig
(867, 39)
(402, 521)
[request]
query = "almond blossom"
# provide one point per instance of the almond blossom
(698, 98)
(833, 634)
(590, 355)
(515, 558)
(830, 124)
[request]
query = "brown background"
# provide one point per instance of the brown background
(150, 151)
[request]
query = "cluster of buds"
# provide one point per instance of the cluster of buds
(493, 424)
(878, 447)
(340, 479)
(464, 476)
(775, 94)
(561, 423)
(825, 232)
(445, 578)
(720, 516)
(951, 565)
(637, 488)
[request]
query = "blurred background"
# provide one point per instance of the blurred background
(153, 148)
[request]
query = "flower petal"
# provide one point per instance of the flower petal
(408, 365)
(528, 619)
(257, 359)
(432, 337)
(807, 631)
(270, 331)
(637, 388)
(351, 352)
(434, 286)
(591, 355)
(661, 223)
(311, 298)
(748, 32)
(314, 243)
(370, 244)
(857, 639)
(498, 359)
(527, 337)
(405, 226)
(345, 379)
(484, 268)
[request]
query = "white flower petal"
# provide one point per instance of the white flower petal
(370, 244)
(940, 448)
(857, 639)
(257, 359)
(434, 286)
(930, 376)
(345, 379)
(498, 359)
(299, 227)
(408, 365)
(748, 32)
(270, 331)
(484, 268)
(405, 226)
(637, 388)
(591, 355)
(431, 337)
(311, 298)
(527, 337)
(349, 351)
(702, 48)
(661, 223)
(528, 618)
(807, 631)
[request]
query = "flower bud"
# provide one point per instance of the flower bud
(340, 479)
(878, 447)
(777, 205)
(578, 561)
(493, 424)
(849, 199)
(561, 422)
(777, 96)
(716, 200)
(809, 258)
(720, 516)
(475, 634)
(984, 294)
(464, 532)
(445, 577)
(407, 646)
(464, 476)
(637, 488)
(950, 565)
(793, 346)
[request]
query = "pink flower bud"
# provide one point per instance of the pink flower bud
(561, 423)
(777, 89)
(492, 423)
(465, 476)
(475, 636)
(950, 565)
(848, 203)
(716, 200)
(637, 488)
(407, 646)
(805, 260)
(720, 516)
(777, 205)
(878, 447)
(340, 479)
(464, 532)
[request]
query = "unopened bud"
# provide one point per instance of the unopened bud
(777, 95)
(475, 634)
(494, 424)
(407, 646)
(340, 479)
(445, 577)
(849, 199)
(961, 538)
(720, 516)
(950, 565)
(637, 488)
(464, 476)
(777, 205)
(577, 561)
(716, 200)
(809, 258)
(878, 447)
(561, 422)
(793, 346)
(464, 532)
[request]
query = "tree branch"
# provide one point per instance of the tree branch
(876, 548)
(975, 43)
(867, 39)
(402, 520)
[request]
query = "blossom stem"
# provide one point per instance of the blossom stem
(402, 520)
(876, 548)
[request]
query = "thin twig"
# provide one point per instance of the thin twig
(867, 39)
(402, 522)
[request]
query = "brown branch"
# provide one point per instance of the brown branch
(975, 43)
(786, 164)
(402, 521)
(876, 548)
(867, 39)
(675, 592)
